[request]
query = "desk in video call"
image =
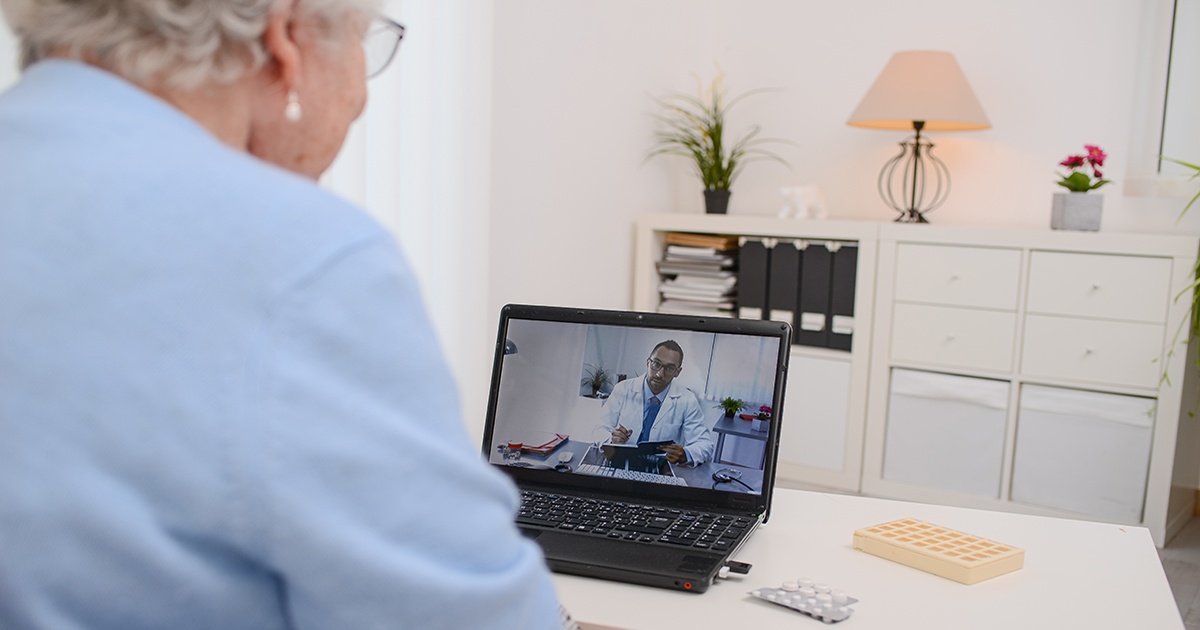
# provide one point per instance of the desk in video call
(696, 477)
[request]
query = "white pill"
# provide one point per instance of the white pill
(804, 582)
(757, 593)
(844, 610)
(821, 588)
(838, 595)
(790, 586)
(824, 598)
(807, 591)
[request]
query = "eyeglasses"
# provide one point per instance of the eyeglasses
(380, 43)
(665, 368)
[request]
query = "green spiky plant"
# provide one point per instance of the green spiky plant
(598, 377)
(1195, 314)
(1193, 289)
(694, 126)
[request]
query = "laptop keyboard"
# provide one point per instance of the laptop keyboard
(635, 475)
(630, 521)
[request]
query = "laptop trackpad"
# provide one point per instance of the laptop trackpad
(591, 550)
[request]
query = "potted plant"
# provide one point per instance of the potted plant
(762, 419)
(731, 406)
(597, 377)
(695, 128)
(1077, 210)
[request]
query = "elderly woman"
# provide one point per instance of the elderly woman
(221, 405)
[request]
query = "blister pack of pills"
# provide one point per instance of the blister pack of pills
(813, 599)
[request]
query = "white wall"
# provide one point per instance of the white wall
(418, 161)
(571, 118)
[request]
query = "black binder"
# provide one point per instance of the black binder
(785, 283)
(812, 325)
(754, 260)
(841, 299)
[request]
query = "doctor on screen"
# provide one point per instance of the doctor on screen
(651, 409)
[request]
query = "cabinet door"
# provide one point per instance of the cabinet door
(1082, 451)
(946, 432)
(953, 337)
(1099, 351)
(1133, 288)
(814, 428)
(982, 277)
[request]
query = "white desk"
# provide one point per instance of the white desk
(1077, 574)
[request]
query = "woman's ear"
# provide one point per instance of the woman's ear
(280, 42)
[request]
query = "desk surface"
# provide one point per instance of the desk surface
(1077, 575)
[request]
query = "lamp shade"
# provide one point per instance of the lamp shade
(923, 85)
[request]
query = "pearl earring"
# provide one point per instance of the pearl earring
(292, 112)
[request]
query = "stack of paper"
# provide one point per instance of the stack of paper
(698, 274)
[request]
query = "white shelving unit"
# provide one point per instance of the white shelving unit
(1073, 328)
(825, 408)
(1021, 319)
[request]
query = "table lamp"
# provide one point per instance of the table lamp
(922, 90)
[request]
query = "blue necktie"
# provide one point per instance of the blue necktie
(649, 413)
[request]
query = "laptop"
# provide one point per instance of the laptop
(610, 424)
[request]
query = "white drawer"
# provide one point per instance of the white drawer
(955, 337)
(1097, 351)
(1135, 288)
(984, 277)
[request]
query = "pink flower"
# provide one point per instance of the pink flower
(1099, 175)
(1095, 154)
(1074, 161)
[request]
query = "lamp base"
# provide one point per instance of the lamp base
(915, 181)
(911, 216)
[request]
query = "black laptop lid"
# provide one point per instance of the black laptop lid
(562, 378)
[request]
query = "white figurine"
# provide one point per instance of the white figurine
(803, 202)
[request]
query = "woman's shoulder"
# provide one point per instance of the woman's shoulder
(266, 203)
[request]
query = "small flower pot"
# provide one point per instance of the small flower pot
(761, 425)
(716, 201)
(1076, 211)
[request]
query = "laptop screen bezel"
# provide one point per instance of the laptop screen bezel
(748, 503)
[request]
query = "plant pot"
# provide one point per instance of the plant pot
(1076, 211)
(716, 201)
(729, 413)
(761, 425)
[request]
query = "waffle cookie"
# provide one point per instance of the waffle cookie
(951, 554)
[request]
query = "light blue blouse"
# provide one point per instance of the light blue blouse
(221, 401)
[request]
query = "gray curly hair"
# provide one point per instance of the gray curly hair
(184, 43)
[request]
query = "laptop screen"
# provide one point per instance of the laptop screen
(661, 402)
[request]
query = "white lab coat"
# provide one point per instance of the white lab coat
(680, 418)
